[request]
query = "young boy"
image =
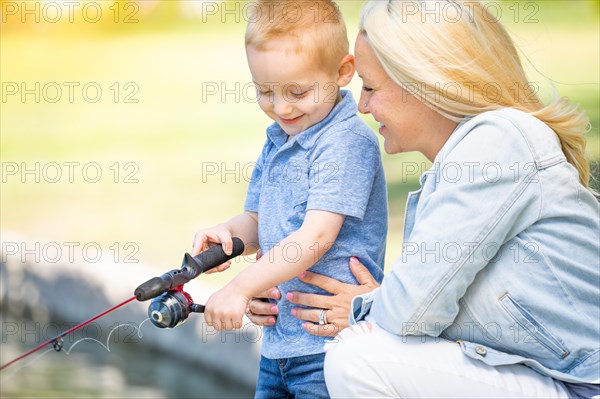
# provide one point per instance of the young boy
(317, 194)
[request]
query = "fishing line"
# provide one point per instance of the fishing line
(170, 305)
(107, 346)
(70, 349)
(57, 341)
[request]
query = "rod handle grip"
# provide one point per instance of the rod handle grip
(212, 257)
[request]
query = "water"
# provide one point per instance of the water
(129, 370)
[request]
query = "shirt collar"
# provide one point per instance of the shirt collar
(345, 109)
(455, 137)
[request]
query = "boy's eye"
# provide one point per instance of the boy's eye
(265, 92)
(299, 95)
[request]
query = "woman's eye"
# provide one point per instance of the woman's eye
(367, 89)
(265, 93)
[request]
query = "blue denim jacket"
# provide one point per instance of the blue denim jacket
(501, 252)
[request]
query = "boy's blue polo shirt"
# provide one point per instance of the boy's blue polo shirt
(333, 166)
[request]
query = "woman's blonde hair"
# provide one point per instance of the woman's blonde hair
(316, 26)
(457, 58)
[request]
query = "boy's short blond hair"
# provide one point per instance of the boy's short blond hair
(316, 27)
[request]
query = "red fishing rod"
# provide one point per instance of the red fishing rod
(57, 341)
(171, 305)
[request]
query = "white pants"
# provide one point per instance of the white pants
(367, 362)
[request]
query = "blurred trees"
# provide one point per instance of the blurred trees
(116, 16)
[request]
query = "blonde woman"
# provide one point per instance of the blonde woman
(496, 292)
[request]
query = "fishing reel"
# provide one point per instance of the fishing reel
(172, 308)
(171, 305)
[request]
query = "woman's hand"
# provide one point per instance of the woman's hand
(336, 306)
(264, 313)
(261, 312)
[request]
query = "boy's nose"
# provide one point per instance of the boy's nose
(282, 107)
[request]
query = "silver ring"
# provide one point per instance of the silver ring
(323, 317)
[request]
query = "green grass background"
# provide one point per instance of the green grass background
(170, 133)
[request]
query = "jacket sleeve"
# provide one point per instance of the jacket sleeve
(476, 197)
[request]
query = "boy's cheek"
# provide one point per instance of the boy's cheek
(265, 104)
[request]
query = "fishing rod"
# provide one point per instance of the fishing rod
(57, 341)
(170, 305)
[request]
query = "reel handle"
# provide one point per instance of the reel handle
(196, 308)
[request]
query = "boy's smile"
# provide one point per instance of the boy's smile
(291, 121)
(292, 89)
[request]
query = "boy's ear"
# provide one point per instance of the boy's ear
(346, 70)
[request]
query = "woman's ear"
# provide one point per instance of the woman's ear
(346, 70)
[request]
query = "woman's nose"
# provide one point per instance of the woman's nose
(363, 105)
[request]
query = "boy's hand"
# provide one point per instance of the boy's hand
(225, 308)
(206, 238)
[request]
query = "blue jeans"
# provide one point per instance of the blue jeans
(294, 377)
